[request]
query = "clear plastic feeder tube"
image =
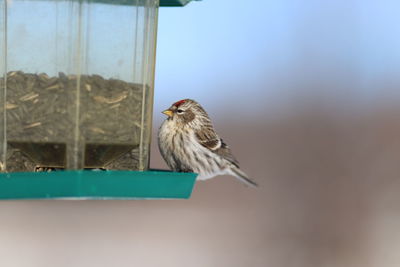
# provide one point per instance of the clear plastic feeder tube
(76, 84)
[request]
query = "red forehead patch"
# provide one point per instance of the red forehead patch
(177, 104)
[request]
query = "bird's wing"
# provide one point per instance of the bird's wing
(208, 138)
(225, 152)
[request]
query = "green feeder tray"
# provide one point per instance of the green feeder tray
(88, 184)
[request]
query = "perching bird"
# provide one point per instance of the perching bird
(188, 143)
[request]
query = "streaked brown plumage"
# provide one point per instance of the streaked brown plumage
(189, 143)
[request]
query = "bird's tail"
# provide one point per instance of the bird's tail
(241, 176)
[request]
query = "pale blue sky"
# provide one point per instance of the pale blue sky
(223, 52)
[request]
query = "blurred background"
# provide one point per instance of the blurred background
(306, 92)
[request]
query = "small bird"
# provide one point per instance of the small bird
(188, 143)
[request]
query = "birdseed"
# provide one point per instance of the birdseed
(42, 114)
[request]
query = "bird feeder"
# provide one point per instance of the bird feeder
(76, 96)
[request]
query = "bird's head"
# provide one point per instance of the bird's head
(186, 112)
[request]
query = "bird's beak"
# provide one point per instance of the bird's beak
(168, 113)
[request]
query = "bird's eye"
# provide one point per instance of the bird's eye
(179, 111)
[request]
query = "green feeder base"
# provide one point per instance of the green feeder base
(96, 185)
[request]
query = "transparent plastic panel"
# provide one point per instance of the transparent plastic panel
(150, 32)
(3, 89)
(80, 77)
